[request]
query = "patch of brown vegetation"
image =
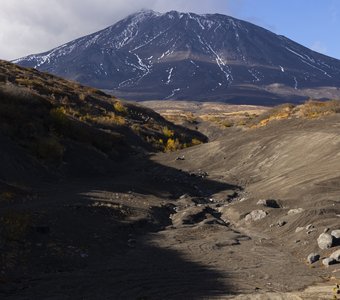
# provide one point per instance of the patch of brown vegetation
(311, 109)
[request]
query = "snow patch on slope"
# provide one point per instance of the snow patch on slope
(169, 76)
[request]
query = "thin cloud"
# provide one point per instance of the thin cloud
(32, 26)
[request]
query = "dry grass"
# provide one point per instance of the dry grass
(311, 109)
(67, 110)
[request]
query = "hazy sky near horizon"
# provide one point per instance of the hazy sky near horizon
(33, 26)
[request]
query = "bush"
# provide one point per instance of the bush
(119, 107)
(172, 145)
(167, 132)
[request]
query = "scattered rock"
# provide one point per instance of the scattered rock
(184, 196)
(336, 255)
(281, 223)
(295, 211)
(83, 255)
(256, 215)
(310, 226)
(336, 233)
(299, 229)
(199, 173)
(328, 261)
(326, 230)
(180, 157)
(325, 241)
(310, 231)
(268, 203)
(313, 257)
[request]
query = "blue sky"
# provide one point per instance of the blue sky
(313, 23)
(33, 26)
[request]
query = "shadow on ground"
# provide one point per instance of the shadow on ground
(73, 247)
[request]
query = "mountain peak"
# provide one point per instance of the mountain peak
(176, 55)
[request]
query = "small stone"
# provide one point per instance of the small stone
(297, 241)
(256, 215)
(310, 226)
(325, 241)
(336, 233)
(326, 230)
(299, 229)
(313, 257)
(295, 211)
(310, 231)
(281, 223)
(328, 261)
(336, 255)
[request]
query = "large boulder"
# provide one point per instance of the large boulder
(313, 257)
(256, 215)
(336, 255)
(325, 241)
(295, 211)
(336, 233)
(268, 203)
(328, 261)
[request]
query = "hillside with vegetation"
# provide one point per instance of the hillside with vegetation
(58, 122)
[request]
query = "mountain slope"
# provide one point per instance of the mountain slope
(51, 124)
(175, 55)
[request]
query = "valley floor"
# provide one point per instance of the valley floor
(173, 226)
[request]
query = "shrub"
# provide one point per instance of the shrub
(59, 116)
(172, 145)
(167, 132)
(119, 107)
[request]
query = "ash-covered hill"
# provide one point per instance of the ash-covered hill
(48, 124)
(176, 55)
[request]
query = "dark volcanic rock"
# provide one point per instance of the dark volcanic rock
(175, 55)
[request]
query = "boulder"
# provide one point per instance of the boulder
(281, 223)
(299, 229)
(256, 215)
(313, 257)
(325, 241)
(328, 261)
(309, 226)
(268, 203)
(295, 211)
(336, 255)
(336, 233)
